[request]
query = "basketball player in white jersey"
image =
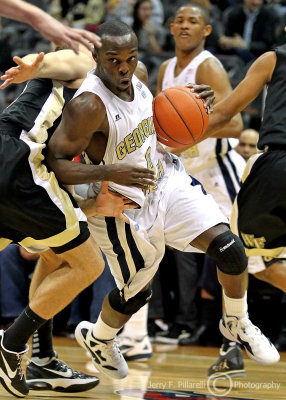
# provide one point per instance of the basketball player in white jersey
(110, 118)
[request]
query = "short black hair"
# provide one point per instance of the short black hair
(114, 28)
(197, 4)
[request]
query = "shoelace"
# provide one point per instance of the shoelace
(113, 351)
(19, 366)
(251, 331)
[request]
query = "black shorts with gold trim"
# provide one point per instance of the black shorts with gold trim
(35, 210)
(261, 206)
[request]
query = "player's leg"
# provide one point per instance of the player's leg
(70, 272)
(196, 220)
(45, 371)
(98, 338)
(133, 341)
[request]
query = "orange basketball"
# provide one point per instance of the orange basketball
(179, 117)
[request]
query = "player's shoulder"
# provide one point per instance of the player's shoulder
(87, 103)
(165, 63)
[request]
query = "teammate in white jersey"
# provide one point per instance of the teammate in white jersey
(110, 119)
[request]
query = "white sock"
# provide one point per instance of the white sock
(235, 307)
(41, 361)
(103, 331)
(136, 327)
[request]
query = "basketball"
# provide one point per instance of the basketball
(179, 117)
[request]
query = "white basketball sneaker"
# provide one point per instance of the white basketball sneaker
(135, 349)
(242, 330)
(105, 353)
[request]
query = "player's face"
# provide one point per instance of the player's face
(189, 28)
(247, 144)
(145, 11)
(117, 61)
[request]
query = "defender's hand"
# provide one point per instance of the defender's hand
(109, 204)
(205, 93)
(23, 72)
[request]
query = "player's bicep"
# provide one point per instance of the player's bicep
(81, 118)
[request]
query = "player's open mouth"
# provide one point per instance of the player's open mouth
(125, 82)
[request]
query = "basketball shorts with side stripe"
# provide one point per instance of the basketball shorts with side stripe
(35, 211)
(175, 214)
(259, 213)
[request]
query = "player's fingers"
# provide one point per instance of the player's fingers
(130, 206)
(6, 83)
(124, 218)
(18, 61)
(39, 58)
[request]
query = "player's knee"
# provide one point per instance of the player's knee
(228, 252)
(130, 306)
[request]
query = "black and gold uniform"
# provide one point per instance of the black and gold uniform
(35, 210)
(260, 213)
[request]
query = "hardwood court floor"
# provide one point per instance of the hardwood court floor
(172, 373)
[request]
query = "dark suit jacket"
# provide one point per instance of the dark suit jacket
(264, 29)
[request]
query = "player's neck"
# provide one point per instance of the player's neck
(184, 57)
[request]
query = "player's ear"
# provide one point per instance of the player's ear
(207, 31)
(94, 54)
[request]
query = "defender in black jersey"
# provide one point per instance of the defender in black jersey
(259, 215)
(41, 215)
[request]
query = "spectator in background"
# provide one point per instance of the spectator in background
(250, 29)
(247, 145)
(79, 13)
(151, 36)
(122, 9)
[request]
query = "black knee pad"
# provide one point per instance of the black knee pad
(228, 252)
(130, 306)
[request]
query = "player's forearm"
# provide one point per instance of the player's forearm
(231, 129)
(74, 173)
(20, 10)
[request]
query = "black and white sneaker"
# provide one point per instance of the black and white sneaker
(11, 374)
(229, 363)
(57, 376)
(257, 346)
(135, 349)
(174, 334)
(105, 353)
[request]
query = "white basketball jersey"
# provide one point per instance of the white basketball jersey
(132, 137)
(196, 158)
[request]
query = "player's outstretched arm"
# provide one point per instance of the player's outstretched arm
(48, 26)
(258, 75)
(62, 65)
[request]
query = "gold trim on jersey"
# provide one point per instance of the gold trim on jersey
(49, 113)
(4, 243)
